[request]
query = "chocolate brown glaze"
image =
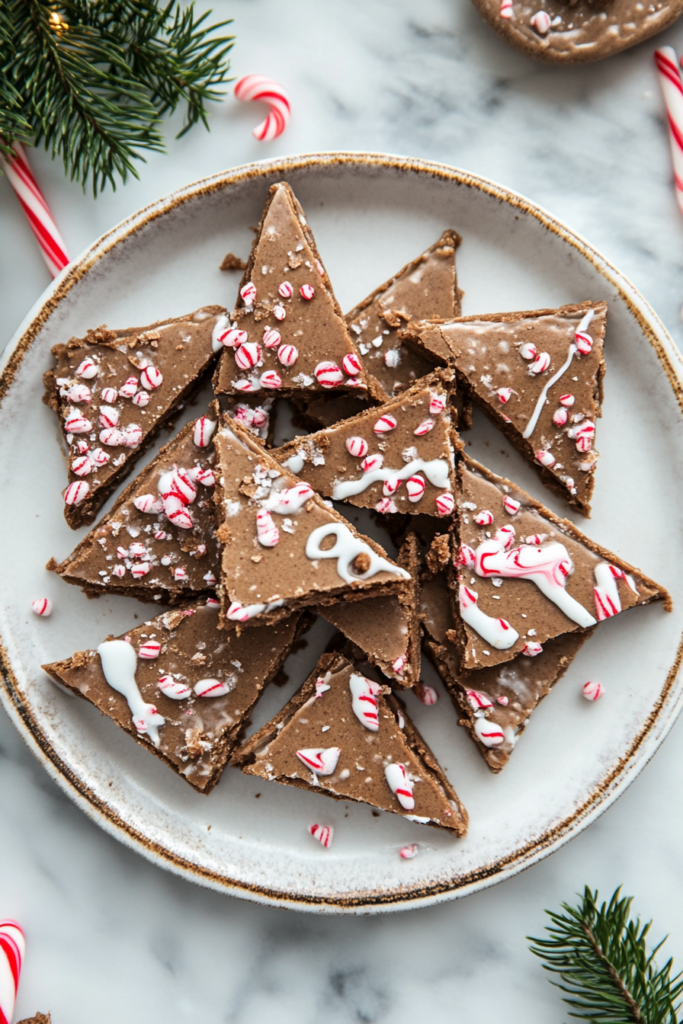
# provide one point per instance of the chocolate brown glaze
(199, 732)
(582, 30)
(322, 718)
(267, 580)
(175, 563)
(420, 436)
(519, 601)
(387, 629)
(284, 253)
(181, 349)
(491, 356)
(520, 684)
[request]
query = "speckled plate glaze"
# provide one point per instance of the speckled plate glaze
(370, 213)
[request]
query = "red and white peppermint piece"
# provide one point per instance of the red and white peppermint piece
(245, 385)
(137, 550)
(151, 378)
(100, 457)
(386, 505)
(109, 417)
(504, 394)
(271, 337)
(506, 535)
(503, 700)
(178, 513)
(12, 952)
(79, 393)
(426, 694)
(506, 10)
(132, 435)
(478, 701)
(267, 532)
(541, 22)
(140, 569)
(409, 851)
(82, 446)
(203, 431)
(351, 364)
(357, 446)
(82, 465)
(76, 492)
(307, 292)
(291, 499)
(437, 404)
(270, 380)
(567, 400)
(323, 833)
(212, 688)
(511, 505)
(172, 688)
(76, 423)
(238, 613)
(484, 518)
(87, 369)
(584, 434)
(234, 338)
(540, 363)
(279, 312)
(248, 355)
(42, 606)
(328, 374)
(424, 428)
(445, 504)
(112, 436)
(141, 399)
(122, 552)
(150, 650)
(210, 578)
(128, 389)
(584, 342)
(288, 354)
(385, 423)
(415, 486)
(285, 290)
(399, 664)
(560, 417)
(532, 649)
(489, 733)
(466, 556)
(592, 691)
(248, 293)
(546, 458)
(179, 573)
(320, 268)
(372, 462)
(259, 417)
(401, 785)
(119, 571)
(207, 477)
(321, 760)
(109, 395)
(391, 486)
(528, 351)
(161, 535)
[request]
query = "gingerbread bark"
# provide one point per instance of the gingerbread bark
(538, 376)
(348, 737)
(522, 575)
(282, 546)
(496, 703)
(288, 334)
(159, 540)
(181, 686)
(387, 629)
(114, 389)
(399, 457)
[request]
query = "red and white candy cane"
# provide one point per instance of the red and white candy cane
(672, 91)
(37, 211)
(258, 87)
(12, 951)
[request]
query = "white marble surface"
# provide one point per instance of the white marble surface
(112, 937)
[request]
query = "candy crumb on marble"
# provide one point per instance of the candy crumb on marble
(409, 851)
(323, 833)
(42, 606)
(12, 952)
(592, 691)
(426, 694)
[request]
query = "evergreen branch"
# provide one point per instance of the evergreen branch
(601, 957)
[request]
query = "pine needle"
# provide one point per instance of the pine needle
(606, 972)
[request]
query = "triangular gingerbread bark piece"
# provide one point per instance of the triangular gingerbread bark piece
(387, 629)
(288, 334)
(283, 547)
(372, 752)
(114, 390)
(181, 686)
(496, 703)
(538, 376)
(158, 543)
(525, 576)
(398, 457)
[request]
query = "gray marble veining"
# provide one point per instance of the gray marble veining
(111, 936)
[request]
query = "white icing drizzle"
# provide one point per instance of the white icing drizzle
(531, 425)
(295, 463)
(345, 548)
(119, 662)
(436, 471)
(364, 700)
(496, 632)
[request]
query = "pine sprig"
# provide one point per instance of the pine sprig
(92, 79)
(601, 956)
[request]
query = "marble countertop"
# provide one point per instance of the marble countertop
(110, 936)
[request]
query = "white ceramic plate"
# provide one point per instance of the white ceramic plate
(370, 214)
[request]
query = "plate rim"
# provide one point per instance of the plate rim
(656, 727)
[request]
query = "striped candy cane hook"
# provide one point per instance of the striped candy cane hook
(37, 211)
(258, 87)
(12, 950)
(672, 91)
